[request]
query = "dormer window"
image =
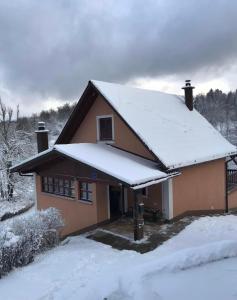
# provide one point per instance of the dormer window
(105, 128)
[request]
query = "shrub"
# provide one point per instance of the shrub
(28, 236)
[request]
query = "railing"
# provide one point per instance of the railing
(231, 177)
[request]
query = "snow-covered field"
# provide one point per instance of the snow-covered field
(199, 263)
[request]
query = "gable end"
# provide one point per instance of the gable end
(80, 111)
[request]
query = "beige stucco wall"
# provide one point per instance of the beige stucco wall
(232, 199)
(200, 187)
(76, 214)
(124, 137)
(102, 201)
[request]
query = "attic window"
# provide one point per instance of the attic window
(105, 130)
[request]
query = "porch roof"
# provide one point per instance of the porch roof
(131, 169)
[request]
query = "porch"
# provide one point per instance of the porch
(135, 214)
(119, 233)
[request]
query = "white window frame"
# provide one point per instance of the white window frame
(98, 128)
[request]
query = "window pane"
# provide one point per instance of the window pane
(66, 182)
(84, 195)
(89, 187)
(73, 193)
(56, 189)
(45, 188)
(58, 186)
(83, 185)
(90, 196)
(61, 190)
(66, 191)
(105, 129)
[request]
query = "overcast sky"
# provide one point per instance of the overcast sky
(50, 49)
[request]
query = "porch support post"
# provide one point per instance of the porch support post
(138, 215)
(226, 188)
(122, 199)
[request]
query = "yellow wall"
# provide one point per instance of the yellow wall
(232, 199)
(124, 137)
(76, 214)
(200, 187)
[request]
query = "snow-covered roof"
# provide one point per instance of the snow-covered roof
(131, 169)
(176, 135)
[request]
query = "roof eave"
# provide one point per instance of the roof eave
(200, 161)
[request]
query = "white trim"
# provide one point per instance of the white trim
(171, 204)
(98, 128)
(108, 202)
(167, 199)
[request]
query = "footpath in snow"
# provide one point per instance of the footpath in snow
(191, 263)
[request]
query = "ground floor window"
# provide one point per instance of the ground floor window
(85, 191)
(59, 185)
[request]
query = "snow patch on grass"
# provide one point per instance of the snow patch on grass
(9, 209)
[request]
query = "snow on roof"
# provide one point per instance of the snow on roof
(176, 135)
(129, 168)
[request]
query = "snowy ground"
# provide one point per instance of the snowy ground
(10, 208)
(191, 265)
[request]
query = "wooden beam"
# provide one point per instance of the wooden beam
(122, 199)
(138, 216)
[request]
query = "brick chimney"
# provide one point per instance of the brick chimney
(188, 92)
(42, 137)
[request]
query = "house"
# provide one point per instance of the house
(124, 148)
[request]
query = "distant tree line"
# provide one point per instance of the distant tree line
(220, 109)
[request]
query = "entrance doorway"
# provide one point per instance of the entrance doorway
(115, 201)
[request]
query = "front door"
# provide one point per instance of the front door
(115, 199)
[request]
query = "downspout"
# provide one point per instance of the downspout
(226, 188)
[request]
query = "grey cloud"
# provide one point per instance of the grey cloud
(53, 47)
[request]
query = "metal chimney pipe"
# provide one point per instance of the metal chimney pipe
(188, 94)
(42, 137)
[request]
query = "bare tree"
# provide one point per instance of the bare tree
(14, 145)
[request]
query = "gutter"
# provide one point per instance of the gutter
(25, 175)
(155, 181)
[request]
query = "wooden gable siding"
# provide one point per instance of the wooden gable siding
(124, 137)
(69, 167)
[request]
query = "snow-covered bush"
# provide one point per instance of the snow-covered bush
(28, 236)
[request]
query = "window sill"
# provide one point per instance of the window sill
(59, 196)
(85, 202)
(106, 142)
